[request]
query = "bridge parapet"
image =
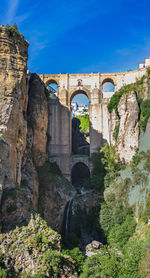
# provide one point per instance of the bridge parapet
(74, 159)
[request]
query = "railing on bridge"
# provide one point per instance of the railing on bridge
(51, 89)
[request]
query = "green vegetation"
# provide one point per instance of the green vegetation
(144, 105)
(97, 174)
(81, 123)
(3, 271)
(35, 242)
(145, 113)
(55, 261)
(111, 163)
(13, 30)
(126, 253)
(116, 132)
(114, 101)
(48, 172)
(119, 234)
(104, 264)
(77, 256)
(132, 261)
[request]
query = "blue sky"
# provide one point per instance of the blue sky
(81, 36)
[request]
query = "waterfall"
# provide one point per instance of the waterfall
(67, 215)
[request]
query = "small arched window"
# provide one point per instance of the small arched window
(52, 87)
(108, 88)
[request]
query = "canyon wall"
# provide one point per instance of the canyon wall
(24, 120)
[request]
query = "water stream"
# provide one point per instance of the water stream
(67, 215)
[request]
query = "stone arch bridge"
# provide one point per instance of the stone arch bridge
(69, 85)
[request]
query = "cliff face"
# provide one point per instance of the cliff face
(13, 105)
(127, 137)
(23, 140)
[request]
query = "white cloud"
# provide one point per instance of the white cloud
(12, 10)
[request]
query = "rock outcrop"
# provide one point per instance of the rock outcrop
(13, 106)
(35, 249)
(128, 137)
(23, 140)
(127, 121)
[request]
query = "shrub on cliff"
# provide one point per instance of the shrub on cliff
(35, 249)
(119, 234)
(81, 124)
(77, 256)
(3, 271)
(145, 113)
(98, 172)
(144, 105)
(111, 163)
(13, 30)
(114, 101)
(104, 264)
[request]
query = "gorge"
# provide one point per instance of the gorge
(46, 190)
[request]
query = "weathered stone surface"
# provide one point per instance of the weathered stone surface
(13, 104)
(38, 118)
(92, 248)
(113, 122)
(128, 137)
(35, 153)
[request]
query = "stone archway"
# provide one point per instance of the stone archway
(108, 79)
(80, 174)
(77, 91)
(79, 117)
(108, 87)
(50, 85)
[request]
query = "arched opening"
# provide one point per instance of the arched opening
(108, 87)
(80, 175)
(52, 87)
(80, 123)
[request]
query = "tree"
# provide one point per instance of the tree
(15, 26)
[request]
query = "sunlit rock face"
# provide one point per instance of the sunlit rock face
(13, 105)
(127, 118)
(128, 137)
(23, 140)
(23, 127)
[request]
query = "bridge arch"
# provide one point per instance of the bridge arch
(77, 91)
(108, 87)
(52, 86)
(80, 173)
(79, 122)
(50, 81)
(108, 79)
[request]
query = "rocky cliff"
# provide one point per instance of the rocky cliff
(127, 137)
(13, 107)
(128, 116)
(23, 140)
